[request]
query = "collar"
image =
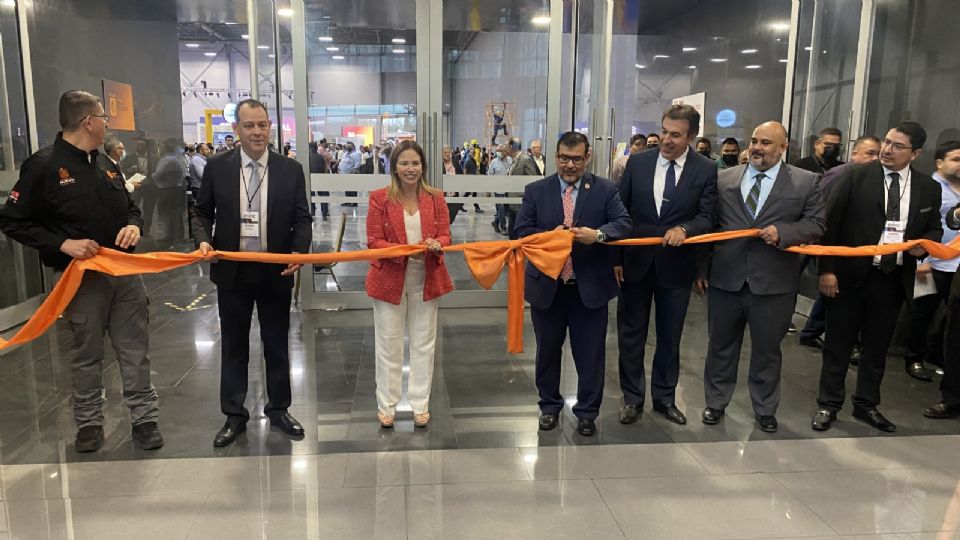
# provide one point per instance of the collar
(115, 162)
(245, 159)
(564, 184)
(771, 173)
(681, 161)
(61, 144)
(904, 172)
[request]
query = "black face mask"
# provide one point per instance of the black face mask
(729, 159)
(831, 153)
(704, 153)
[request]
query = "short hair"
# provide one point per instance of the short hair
(572, 139)
(913, 130)
(946, 148)
(252, 103)
(229, 136)
(75, 105)
(637, 137)
(654, 135)
(705, 140)
(830, 131)
(684, 112)
(731, 140)
(313, 146)
(110, 144)
(866, 138)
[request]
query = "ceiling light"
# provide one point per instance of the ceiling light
(209, 54)
(398, 51)
(640, 66)
(718, 60)
(748, 51)
(541, 20)
(285, 12)
(783, 60)
(689, 49)
(325, 38)
(271, 56)
(263, 46)
(192, 45)
(753, 66)
(230, 23)
(333, 49)
(808, 48)
(692, 67)
(398, 40)
(660, 56)
(245, 36)
(780, 26)
(337, 57)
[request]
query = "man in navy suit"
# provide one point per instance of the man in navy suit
(590, 208)
(670, 192)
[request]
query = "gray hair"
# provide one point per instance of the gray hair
(110, 144)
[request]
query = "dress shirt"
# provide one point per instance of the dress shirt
(766, 186)
(660, 176)
(950, 200)
(904, 204)
(245, 173)
(500, 166)
(539, 162)
(576, 191)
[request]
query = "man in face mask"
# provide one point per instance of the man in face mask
(705, 148)
(826, 152)
(729, 153)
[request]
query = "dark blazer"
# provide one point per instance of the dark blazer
(794, 206)
(598, 207)
(856, 213)
(289, 226)
(108, 166)
(694, 207)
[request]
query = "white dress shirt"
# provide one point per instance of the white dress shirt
(904, 204)
(262, 194)
(660, 176)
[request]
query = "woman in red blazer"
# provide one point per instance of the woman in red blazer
(406, 290)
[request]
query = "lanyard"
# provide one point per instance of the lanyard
(250, 198)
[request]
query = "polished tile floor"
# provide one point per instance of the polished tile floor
(480, 470)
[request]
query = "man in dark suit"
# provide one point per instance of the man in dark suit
(878, 203)
(826, 152)
(258, 202)
(669, 192)
(752, 281)
(590, 208)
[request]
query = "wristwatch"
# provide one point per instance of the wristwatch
(601, 238)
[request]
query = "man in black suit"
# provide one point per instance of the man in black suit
(589, 207)
(877, 203)
(258, 201)
(669, 192)
(826, 152)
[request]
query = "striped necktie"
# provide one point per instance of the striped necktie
(753, 198)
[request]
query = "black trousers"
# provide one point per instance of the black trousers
(633, 322)
(588, 335)
(925, 340)
(272, 299)
(872, 310)
(950, 383)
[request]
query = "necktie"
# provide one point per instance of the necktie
(567, 272)
(669, 187)
(254, 182)
(888, 263)
(753, 198)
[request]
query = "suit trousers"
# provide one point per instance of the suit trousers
(116, 306)
(633, 321)
(870, 310)
(950, 383)
(925, 339)
(419, 319)
(728, 314)
(588, 335)
(272, 300)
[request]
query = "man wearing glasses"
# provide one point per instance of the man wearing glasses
(590, 208)
(883, 202)
(66, 208)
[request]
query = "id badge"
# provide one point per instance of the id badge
(250, 225)
(893, 232)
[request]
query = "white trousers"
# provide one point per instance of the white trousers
(419, 318)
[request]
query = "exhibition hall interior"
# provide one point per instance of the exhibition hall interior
(415, 394)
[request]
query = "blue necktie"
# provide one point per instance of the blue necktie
(669, 187)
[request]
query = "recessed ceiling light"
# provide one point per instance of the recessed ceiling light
(780, 26)
(245, 36)
(271, 56)
(333, 49)
(783, 60)
(692, 67)
(209, 54)
(541, 20)
(753, 66)
(263, 46)
(398, 40)
(748, 51)
(192, 45)
(285, 12)
(640, 66)
(808, 48)
(337, 57)
(325, 38)
(718, 60)
(661, 56)
(398, 51)
(230, 23)
(689, 49)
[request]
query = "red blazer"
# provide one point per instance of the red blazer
(385, 228)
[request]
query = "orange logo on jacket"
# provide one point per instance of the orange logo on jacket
(112, 174)
(65, 177)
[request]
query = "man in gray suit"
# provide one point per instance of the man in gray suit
(751, 280)
(523, 165)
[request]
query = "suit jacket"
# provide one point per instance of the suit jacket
(108, 166)
(524, 164)
(794, 206)
(289, 226)
(598, 207)
(385, 228)
(856, 214)
(694, 206)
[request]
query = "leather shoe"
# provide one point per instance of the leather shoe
(814, 342)
(147, 436)
(767, 424)
(228, 433)
(671, 413)
(942, 411)
(548, 421)
(89, 439)
(874, 419)
(287, 424)
(918, 372)
(711, 417)
(630, 413)
(822, 420)
(586, 427)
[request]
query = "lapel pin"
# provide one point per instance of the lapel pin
(586, 186)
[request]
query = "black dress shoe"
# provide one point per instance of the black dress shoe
(548, 421)
(89, 439)
(496, 226)
(815, 342)
(822, 420)
(287, 424)
(710, 416)
(147, 436)
(874, 419)
(630, 413)
(671, 413)
(767, 424)
(228, 433)
(586, 427)
(918, 372)
(942, 411)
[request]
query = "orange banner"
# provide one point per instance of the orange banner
(486, 260)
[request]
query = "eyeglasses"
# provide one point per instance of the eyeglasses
(577, 160)
(104, 117)
(899, 147)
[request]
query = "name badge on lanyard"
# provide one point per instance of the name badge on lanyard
(893, 232)
(250, 219)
